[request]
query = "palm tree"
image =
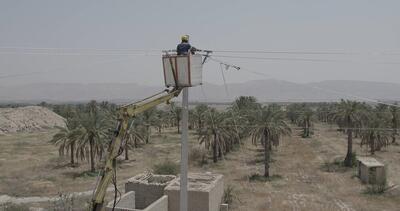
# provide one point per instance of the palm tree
(149, 119)
(246, 103)
(394, 111)
(304, 119)
(241, 113)
(176, 112)
(293, 112)
(95, 128)
(199, 113)
(348, 115)
(136, 134)
(215, 134)
(375, 136)
(66, 138)
(269, 127)
(322, 112)
(161, 120)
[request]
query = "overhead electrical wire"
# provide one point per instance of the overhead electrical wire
(76, 54)
(333, 91)
(59, 69)
(128, 52)
(295, 59)
(284, 52)
(261, 51)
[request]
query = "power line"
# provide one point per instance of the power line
(337, 92)
(59, 69)
(75, 54)
(298, 59)
(233, 51)
(80, 49)
(284, 52)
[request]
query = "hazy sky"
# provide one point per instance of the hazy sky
(367, 31)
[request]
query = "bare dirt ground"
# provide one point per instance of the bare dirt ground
(31, 167)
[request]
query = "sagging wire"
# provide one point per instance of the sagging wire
(223, 78)
(353, 96)
(322, 89)
(227, 66)
(116, 191)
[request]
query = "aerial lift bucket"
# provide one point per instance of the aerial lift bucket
(182, 70)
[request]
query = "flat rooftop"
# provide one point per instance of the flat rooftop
(198, 181)
(369, 161)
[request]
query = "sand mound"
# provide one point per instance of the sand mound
(28, 119)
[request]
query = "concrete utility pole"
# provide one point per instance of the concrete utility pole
(184, 151)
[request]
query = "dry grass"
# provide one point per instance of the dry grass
(34, 169)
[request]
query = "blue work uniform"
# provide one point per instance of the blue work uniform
(183, 48)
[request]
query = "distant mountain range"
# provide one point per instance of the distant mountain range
(264, 90)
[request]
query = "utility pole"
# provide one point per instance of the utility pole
(184, 151)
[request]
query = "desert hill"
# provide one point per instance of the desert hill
(28, 119)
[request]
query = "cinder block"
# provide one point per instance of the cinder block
(148, 188)
(204, 193)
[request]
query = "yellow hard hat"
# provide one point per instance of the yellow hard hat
(185, 38)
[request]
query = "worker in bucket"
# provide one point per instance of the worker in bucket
(184, 47)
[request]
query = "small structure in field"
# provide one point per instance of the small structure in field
(204, 193)
(148, 188)
(371, 171)
(127, 203)
(152, 192)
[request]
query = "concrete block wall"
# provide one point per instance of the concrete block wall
(160, 205)
(148, 188)
(204, 194)
(126, 203)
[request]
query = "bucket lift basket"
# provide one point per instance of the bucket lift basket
(182, 70)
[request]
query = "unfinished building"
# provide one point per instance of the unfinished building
(149, 192)
(127, 203)
(148, 188)
(205, 192)
(371, 171)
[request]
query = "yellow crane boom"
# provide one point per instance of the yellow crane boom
(125, 113)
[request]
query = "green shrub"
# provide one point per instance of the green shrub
(167, 167)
